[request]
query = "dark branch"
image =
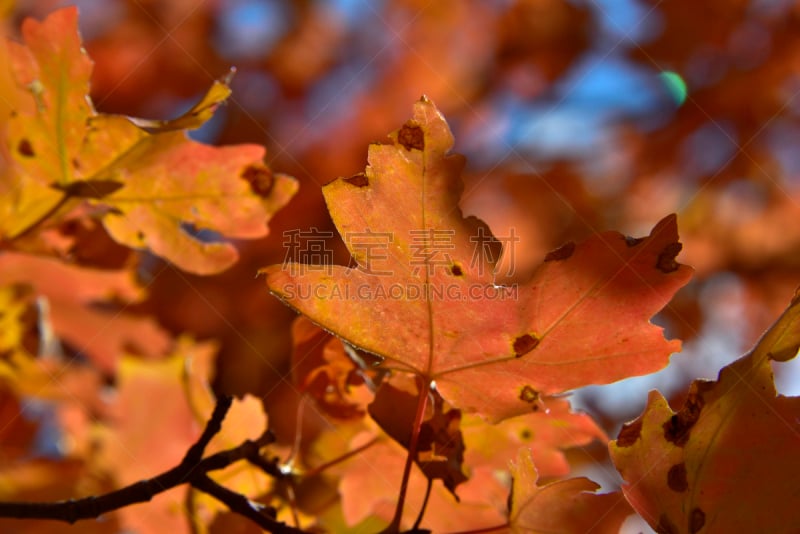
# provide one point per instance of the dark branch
(192, 470)
(214, 425)
(263, 516)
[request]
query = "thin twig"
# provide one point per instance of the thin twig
(498, 528)
(424, 505)
(263, 516)
(422, 387)
(214, 425)
(346, 456)
(192, 470)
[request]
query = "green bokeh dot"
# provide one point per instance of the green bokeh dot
(675, 86)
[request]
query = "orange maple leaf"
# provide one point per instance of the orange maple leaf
(581, 319)
(147, 179)
(721, 463)
(568, 506)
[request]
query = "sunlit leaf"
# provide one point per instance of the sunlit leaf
(163, 192)
(723, 462)
(569, 506)
(425, 299)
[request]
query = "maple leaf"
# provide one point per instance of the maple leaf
(70, 294)
(368, 487)
(323, 370)
(567, 506)
(720, 464)
(159, 413)
(154, 187)
(440, 451)
(581, 319)
(546, 433)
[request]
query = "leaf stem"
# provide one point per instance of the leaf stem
(349, 454)
(424, 505)
(422, 386)
(498, 528)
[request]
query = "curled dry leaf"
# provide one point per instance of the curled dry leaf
(423, 293)
(440, 450)
(322, 370)
(725, 461)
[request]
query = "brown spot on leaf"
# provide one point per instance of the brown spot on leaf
(96, 189)
(529, 395)
(678, 427)
(629, 433)
(697, 518)
(633, 241)
(676, 478)
(358, 180)
(76, 164)
(561, 253)
(411, 136)
(260, 179)
(25, 148)
(666, 260)
(665, 526)
(456, 270)
(524, 344)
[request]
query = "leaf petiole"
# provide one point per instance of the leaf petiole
(422, 388)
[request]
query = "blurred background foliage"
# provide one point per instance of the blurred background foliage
(576, 117)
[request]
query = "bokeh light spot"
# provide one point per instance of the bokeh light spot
(675, 86)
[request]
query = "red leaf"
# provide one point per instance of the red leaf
(425, 298)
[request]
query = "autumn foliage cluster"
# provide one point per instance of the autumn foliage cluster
(296, 307)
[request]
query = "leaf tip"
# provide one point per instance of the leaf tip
(228, 77)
